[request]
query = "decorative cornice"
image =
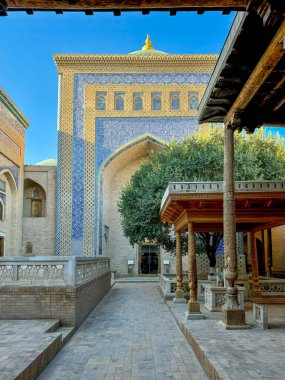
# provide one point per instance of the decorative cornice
(11, 106)
(71, 60)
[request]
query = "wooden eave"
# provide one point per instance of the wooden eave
(60, 6)
(254, 211)
(247, 85)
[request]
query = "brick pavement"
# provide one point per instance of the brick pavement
(131, 334)
(25, 347)
(237, 354)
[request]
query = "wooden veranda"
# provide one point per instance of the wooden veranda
(198, 207)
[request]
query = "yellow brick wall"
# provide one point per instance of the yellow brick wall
(278, 251)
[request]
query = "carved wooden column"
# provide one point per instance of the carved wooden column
(193, 304)
(232, 315)
(179, 294)
(269, 253)
(255, 292)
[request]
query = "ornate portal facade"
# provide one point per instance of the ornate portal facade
(113, 111)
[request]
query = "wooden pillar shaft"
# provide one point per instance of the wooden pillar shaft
(229, 209)
(254, 267)
(193, 282)
(179, 278)
(230, 244)
(269, 254)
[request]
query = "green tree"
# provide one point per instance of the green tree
(198, 158)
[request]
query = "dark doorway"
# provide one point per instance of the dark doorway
(149, 260)
(261, 257)
(2, 252)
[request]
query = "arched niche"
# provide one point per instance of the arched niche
(115, 173)
(34, 199)
(8, 224)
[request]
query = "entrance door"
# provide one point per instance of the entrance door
(149, 260)
(2, 247)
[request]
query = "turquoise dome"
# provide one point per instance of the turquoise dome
(48, 162)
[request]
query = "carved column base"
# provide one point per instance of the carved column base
(233, 316)
(179, 296)
(233, 319)
(194, 311)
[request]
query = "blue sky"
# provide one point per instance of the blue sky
(28, 73)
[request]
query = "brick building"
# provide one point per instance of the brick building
(113, 110)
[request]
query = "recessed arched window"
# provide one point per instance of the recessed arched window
(193, 102)
(29, 248)
(175, 102)
(119, 103)
(36, 203)
(101, 103)
(2, 211)
(156, 103)
(138, 103)
(36, 193)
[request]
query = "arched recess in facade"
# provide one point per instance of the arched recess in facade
(8, 226)
(34, 199)
(115, 172)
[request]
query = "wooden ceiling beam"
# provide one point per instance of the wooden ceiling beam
(267, 226)
(263, 69)
(124, 5)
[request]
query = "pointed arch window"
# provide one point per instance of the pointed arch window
(36, 193)
(36, 203)
(119, 101)
(29, 248)
(101, 103)
(138, 102)
(174, 101)
(156, 101)
(193, 101)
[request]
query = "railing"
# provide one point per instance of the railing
(218, 186)
(168, 286)
(272, 286)
(51, 270)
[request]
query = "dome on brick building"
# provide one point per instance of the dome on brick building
(48, 162)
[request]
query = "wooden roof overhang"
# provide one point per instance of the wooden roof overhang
(247, 87)
(90, 6)
(259, 206)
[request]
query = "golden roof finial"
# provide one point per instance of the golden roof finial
(148, 45)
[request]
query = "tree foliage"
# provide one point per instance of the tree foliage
(198, 158)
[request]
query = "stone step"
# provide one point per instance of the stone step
(35, 343)
(66, 333)
(54, 326)
(31, 364)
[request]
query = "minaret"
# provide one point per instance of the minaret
(148, 45)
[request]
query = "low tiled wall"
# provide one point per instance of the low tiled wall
(70, 304)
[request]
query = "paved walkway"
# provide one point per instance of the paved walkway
(131, 334)
(251, 354)
(21, 344)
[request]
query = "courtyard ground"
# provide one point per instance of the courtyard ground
(133, 334)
